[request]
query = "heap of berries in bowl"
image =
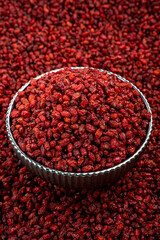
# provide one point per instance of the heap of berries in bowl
(79, 120)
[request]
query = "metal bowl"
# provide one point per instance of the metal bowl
(77, 180)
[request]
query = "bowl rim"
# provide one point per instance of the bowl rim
(11, 138)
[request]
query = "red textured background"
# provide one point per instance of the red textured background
(121, 36)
